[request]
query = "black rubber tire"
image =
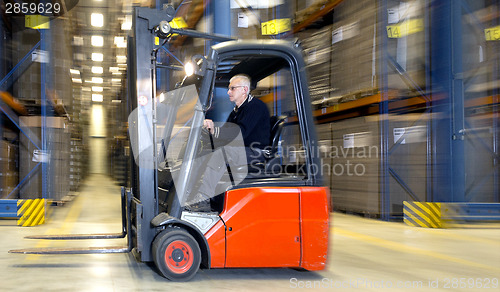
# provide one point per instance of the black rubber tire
(175, 246)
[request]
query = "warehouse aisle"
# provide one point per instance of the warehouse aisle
(365, 255)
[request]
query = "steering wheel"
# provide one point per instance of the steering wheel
(207, 139)
(206, 144)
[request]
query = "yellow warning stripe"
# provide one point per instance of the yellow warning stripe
(37, 214)
(31, 212)
(417, 219)
(436, 207)
(410, 222)
(26, 218)
(422, 214)
(31, 206)
(433, 218)
(434, 210)
(20, 210)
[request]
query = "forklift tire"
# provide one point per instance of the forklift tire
(176, 254)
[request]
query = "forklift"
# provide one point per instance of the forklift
(270, 214)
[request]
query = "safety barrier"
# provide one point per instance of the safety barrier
(422, 214)
(439, 215)
(30, 212)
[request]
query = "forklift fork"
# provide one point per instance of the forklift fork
(126, 198)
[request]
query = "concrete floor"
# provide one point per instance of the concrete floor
(365, 255)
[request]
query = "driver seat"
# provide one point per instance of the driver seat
(272, 158)
(270, 153)
(263, 169)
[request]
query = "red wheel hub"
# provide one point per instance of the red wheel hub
(179, 256)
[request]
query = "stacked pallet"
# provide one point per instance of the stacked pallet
(8, 169)
(34, 160)
(77, 162)
(353, 70)
(318, 50)
(352, 157)
(119, 159)
(55, 55)
(311, 6)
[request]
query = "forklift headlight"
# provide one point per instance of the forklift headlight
(189, 69)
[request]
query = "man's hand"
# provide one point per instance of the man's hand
(209, 125)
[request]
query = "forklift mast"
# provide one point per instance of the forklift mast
(148, 25)
(140, 86)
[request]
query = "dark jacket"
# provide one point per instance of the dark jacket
(253, 120)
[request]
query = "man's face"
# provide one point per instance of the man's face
(237, 92)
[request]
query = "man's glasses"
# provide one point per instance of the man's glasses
(231, 88)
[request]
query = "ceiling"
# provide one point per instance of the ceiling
(110, 31)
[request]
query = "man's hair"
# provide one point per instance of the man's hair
(245, 79)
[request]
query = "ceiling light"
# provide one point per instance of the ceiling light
(74, 71)
(127, 23)
(116, 101)
(76, 80)
(96, 19)
(77, 41)
(97, 88)
(97, 97)
(97, 41)
(120, 42)
(98, 57)
(114, 69)
(127, 26)
(115, 80)
(117, 73)
(97, 80)
(97, 70)
(121, 59)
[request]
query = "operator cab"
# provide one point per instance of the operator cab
(286, 160)
(272, 83)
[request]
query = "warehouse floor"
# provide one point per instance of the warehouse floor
(365, 254)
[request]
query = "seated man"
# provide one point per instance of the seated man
(252, 117)
(249, 113)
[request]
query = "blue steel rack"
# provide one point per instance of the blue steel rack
(447, 158)
(387, 62)
(9, 206)
(449, 130)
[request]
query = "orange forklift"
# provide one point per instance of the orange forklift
(270, 214)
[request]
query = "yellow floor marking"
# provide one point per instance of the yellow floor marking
(449, 235)
(72, 216)
(439, 232)
(409, 249)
